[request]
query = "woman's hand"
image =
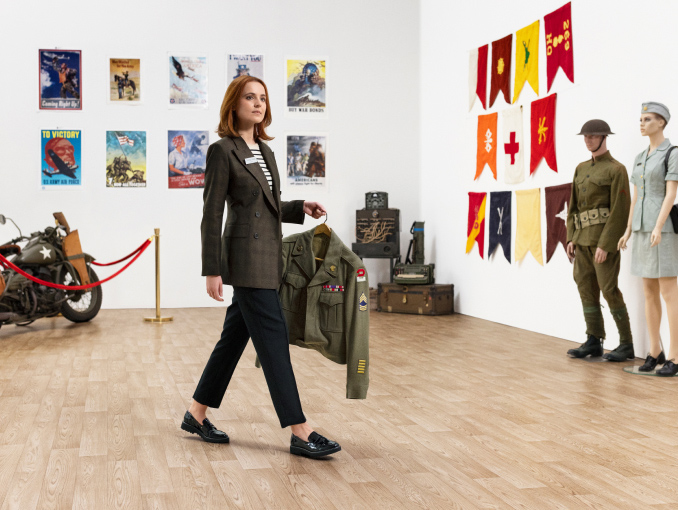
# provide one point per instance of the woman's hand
(621, 245)
(656, 237)
(215, 288)
(314, 209)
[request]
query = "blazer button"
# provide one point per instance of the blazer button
(257, 214)
(256, 236)
(255, 192)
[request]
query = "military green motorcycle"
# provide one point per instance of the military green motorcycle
(22, 301)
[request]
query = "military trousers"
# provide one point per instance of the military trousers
(592, 279)
(255, 313)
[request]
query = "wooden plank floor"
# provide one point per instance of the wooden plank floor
(462, 413)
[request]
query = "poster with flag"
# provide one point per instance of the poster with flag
(501, 69)
(514, 167)
(557, 200)
(476, 222)
(487, 144)
(500, 223)
(125, 159)
(543, 133)
(558, 34)
(528, 224)
(527, 59)
(477, 76)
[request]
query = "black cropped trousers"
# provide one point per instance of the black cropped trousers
(256, 314)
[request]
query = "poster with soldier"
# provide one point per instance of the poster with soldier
(187, 81)
(244, 65)
(125, 159)
(125, 80)
(61, 157)
(60, 79)
(306, 88)
(186, 158)
(306, 156)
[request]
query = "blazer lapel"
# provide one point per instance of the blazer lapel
(269, 158)
(243, 153)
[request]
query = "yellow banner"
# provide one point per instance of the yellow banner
(528, 224)
(527, 59)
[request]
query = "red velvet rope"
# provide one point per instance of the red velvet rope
(118, 261)
(74, 287)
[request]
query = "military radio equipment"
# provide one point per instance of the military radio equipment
(377, 233)
(414, 271)
(376, 200)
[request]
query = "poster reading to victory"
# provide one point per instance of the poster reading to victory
(186, 158)
(187, 80)
(125, 80)
(306, 160)
(61, 150)
(306, 88)
(60, 80)
(244, 65)
(125, 159)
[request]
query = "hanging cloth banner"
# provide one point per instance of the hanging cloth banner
(501, 69)
(543, 133)
(487, 144)
(476, 222)
(528, 224)
(477, 76)
(557, 199)
(558, 34)
(527, 59)
(514, 167)
(500, 223)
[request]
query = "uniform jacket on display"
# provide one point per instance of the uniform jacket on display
(326, 303)
(599, 204)
(248, 254)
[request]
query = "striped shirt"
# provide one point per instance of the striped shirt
(256, 152)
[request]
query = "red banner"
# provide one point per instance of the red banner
(557, 199)
(476, 222)
(501, 69)
(543, 133)
(558, 33)
(481, 86)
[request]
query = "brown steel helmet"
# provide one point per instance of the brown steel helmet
(596, 127)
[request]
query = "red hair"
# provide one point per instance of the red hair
(228, 123)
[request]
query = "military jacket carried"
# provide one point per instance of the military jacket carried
(600, 185)
(650, 179)
(326, 303)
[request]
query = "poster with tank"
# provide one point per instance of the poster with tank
(60, 79)
(186, 158)
(244, 65)
(306, 88)
(61, 158)
(187, 81)
(125, 159)
(124, 80)
(306, 160)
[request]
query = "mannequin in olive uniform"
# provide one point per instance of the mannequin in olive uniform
(598, 212)
(655, 244)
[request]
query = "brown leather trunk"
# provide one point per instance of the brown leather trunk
(416, 299)
(73, 252)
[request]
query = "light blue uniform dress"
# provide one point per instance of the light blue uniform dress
(650, 181)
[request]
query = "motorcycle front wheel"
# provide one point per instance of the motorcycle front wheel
(82, 306)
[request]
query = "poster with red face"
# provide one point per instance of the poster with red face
(60, 157)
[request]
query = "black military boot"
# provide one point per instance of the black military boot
(592, 347)
(621, 353)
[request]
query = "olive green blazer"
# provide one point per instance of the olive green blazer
(249, 251)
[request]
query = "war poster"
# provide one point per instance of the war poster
(306, 88)
(60, 79)
(306, 160)
(125, 80)
(244, 65)
(186, 158)
(125, 159)
(61, 157)
(187, 81)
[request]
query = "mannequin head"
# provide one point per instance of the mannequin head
(651, 124)
(595, 133)
(596, 143)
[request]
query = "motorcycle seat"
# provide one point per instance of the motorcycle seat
(10, 249)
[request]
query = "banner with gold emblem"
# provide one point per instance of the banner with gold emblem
(527, 59)
(501, 69)
(558, 34)
(476, 222)
(543, 133)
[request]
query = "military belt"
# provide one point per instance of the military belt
(591, 217)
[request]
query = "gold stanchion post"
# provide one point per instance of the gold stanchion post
(158, 317)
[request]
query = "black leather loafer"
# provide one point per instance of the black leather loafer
(668, 370)
(206, 431)
(651, 363)
(316, 446)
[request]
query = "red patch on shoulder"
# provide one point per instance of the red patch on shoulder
(360, 272)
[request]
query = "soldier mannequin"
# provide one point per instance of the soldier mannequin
(597, 217)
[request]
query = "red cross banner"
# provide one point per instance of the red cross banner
(477, 76)
(501, 69)
(557, 200)
(558, 33)
(543, 132)
(514, 168)
(476, 222)
(487, 144)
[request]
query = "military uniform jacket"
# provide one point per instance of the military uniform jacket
(248, 253)
(328, 309)
(600, 183)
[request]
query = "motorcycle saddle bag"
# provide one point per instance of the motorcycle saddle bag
(73, 252)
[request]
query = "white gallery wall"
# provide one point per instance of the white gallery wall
(621, 59)
(372, 52)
